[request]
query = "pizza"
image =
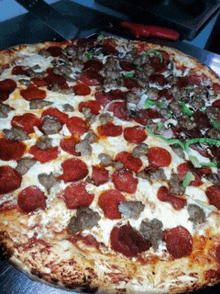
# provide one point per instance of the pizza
(110, 166)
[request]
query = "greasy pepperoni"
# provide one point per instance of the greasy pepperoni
(183, 168)
(68, 145)
(129, 161)
(130, 83)
(45, 155)
(26, 122)
(91, 78)
(159, 157)
(201, 119)
(93, 105)
(216, 87)
(128, 241)
(32, 93)
(124, 181)
(120, 110)
(109, 130)
(52, 79)
(76, 195)
(109, 201)
(7, 86)
(73, 170)
(179, 241)
(11, 150)
(102, 98)
(39, 82)
(99, 175)
(135, 134)
(126, 65)
(19, 70)
(55, 51)
(188, 80)
(156, 63)
(10, 180)
(93, 64)
(117, 95)
(213, 194)
(109, 48)
(146, 114)
(81, 89)
(30, 199)
(76, 125)
(56, 114)
(159, 79)
(164, 195)
(216, 104)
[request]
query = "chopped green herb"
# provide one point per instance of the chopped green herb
(170, 115)
(189, 177)
(148, 103)
(160, 126)
(130, 75)
(156, 52)
(201, 140)
(213, 163)
(215, 123)
(190, 87)
(194, 161)
(186, 109)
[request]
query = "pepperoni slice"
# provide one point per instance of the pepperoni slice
(26, 122)
(109, 201)
(179, 241)
(124, 181)
(39, 82)
(55, 51)
(73, 170)
(93, 64)
(159, 157)
(32, 93)
(130, 83)
(75, 195)
(93, 105)
(158, 79)
(7, 86)
(19, 70)
(91, 78)
(11, 150)
(109, 48)
(201, 119)
(164, 195)
(128, 241)
(68, 145)
(126, 65)
(120, 110)
(76, 125)
(129, 161)
(213, 194)
(10, 180)
(45, 155)
(99, 175)
(56, 114)
(102, 98)
(53, 79)
(81, 89)
(30, 199)
(146, 114)
(109, 130)
(188, 80)
(135, 134)
(183, 168)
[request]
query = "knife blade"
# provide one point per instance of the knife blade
(51, 18)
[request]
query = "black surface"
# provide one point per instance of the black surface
(29, 29)
(187, 20)
(213, 43)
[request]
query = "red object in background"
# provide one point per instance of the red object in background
(140, 31)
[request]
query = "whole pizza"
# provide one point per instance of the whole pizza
(110, 166)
